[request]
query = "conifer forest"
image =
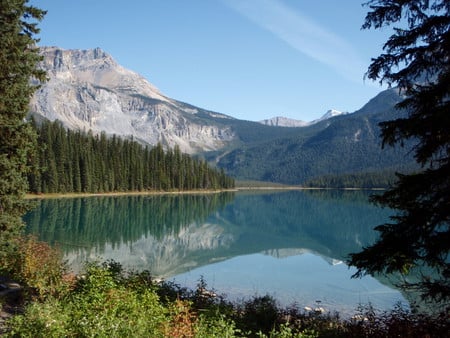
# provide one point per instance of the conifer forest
(76, 161)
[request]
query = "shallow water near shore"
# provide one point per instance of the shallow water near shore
(305, 280)
(289, 244)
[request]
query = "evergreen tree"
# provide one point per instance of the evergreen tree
(417, 60)
(79, 162)
(34, 176)
(18, 65)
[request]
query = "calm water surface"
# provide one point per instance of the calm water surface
(292, 245)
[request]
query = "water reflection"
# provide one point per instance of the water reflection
(305, 279)
(174, 234)
(97, 221)
(171, 233)
(331, 223)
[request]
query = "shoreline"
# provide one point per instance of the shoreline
(123, 193)
(30, 196)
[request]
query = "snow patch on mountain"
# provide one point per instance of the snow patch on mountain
(331, 113)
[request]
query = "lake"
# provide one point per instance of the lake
(290, 244)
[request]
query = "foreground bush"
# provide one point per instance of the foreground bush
(38, 267)
(108, 302)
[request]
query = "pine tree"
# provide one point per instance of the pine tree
(34, 176)
(83, 162)
(18, 65)
(417, 60)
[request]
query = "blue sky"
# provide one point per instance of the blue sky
(251, 59)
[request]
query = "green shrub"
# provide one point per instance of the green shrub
(108, 302)
(259, 314)
(39, 267)
(47, 319)
(219, 326)
(285, 331)
(98, 306)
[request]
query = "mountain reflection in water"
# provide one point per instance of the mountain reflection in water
(182, 234)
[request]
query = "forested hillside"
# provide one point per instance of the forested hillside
(85, 86)
(75, 161)
(342, 151)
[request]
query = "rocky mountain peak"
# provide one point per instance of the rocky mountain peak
(96, 67)
(332, 113)
(89, 90)
(328, 115)
(280, 121)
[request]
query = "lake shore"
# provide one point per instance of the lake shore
(124, 193)
(182, 192)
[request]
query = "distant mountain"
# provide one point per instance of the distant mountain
(328, 115)
(280, 121)
(341, 145)
(88, 90)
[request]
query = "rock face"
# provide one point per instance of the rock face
(280, 121)
(88, 90)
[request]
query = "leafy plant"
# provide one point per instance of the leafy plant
(39, 267)
(107, 301)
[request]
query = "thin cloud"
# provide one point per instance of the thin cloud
(303, 34)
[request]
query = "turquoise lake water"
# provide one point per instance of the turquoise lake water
(292, 245)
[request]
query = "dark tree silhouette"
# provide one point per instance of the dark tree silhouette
(416, 58)
(18, 66)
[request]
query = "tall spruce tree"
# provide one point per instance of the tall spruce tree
(416, 58)
(18, 66)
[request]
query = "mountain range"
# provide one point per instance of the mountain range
(343, 145)
(89, 90)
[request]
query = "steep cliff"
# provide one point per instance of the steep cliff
(88, 90)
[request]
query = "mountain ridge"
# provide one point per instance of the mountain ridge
(88, 90)
(281, 121)
(341, 145)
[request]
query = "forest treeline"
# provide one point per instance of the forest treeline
(76, 161)
(363, 180)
